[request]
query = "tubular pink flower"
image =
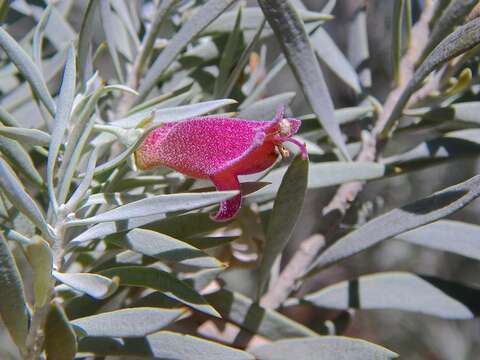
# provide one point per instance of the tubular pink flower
(220, 149)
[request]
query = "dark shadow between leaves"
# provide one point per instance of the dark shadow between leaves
(115, 346)
(432, 153)
(156, 279)
(434, 202)
(354, 294)
(157, 299)
(468, 296)
(184, 226)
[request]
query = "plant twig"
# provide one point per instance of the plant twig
(286, 282)
(347, 193)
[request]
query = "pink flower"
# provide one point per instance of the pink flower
(219, 148)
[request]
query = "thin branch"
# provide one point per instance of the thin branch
(286, 282)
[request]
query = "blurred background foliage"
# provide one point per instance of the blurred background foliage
(100, 260)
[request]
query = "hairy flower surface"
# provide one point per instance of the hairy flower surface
(219, 148)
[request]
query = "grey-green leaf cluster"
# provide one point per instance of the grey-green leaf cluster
(360, 194)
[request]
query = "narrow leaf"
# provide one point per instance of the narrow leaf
(117, 198)
(325, 174)
(164, 282)
(118, 160)
(448, 147)
(85, 37)
(19, 158)
(16, 236)
(37, 43)
(453, 15)
(251, 316)
(164, 345)
(60, 340)
(291, 34)
(16, 194)
(13, 309)
(186, 225)
(398, 8)
(164, 247)
(103, 229)
(462, 39)
(162, 115)
(179, 345)
(109, 28)
(62, 116)
(278, 66)
(194, 26)
(22, 94)
(134, 322)
(447, 235)
(358, 50)
(84, 185)
(27, 68)
(253, 17)
(120, 88)
(408, 22)
(325, 348)
(127, 16)
(76, 142)
(397, 221)
(26, 136)
(330, 54)
(467, 111)
(393, 290)
(286, 211)
(97, 286)
(7, 119)
(159, 204)
(243, 60)
(266, 107)
(227, 58)
(161, 14)
(40, 257)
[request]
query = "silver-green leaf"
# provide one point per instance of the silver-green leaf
(164, 247)
(397, 221)
(134, 322)
(249, 315)
(165, 345)
(286, 211)
(13, 309)
(26, 136)
(393, 290)
(28, 69)
(193, 27)
(16, 194)
(97, 286)
(325, 348)
(164, 282)
(159, 204)
(60, 339)
(290, 31)
(447, 235)
(62, 116)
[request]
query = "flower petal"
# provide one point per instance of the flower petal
(203, 147)
(228, 208)
(147, 155)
